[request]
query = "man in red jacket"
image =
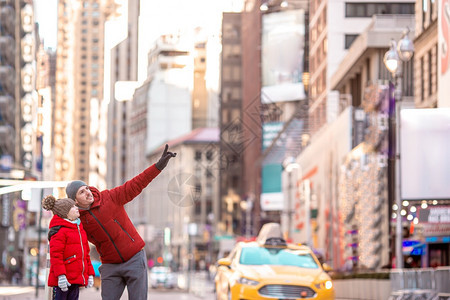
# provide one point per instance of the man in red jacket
(109, 228)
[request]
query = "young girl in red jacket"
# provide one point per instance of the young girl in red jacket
(70, 263)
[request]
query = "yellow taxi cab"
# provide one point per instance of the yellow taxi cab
(270, 268)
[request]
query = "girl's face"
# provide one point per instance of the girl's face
(73, 213)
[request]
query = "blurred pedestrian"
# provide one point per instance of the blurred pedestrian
(110, 229)
(70, 263)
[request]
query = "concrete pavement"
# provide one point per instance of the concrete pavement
(29, 293)
(200, 288)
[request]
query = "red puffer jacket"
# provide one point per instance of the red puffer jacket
(107, 223)
(69, 253)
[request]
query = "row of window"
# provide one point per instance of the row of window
(94, 5)
(429, 9)
(428, 71)
(208, 155)
(367, 10)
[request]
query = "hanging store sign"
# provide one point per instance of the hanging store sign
(436, 214)
(435, 220)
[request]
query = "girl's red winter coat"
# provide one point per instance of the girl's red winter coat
(69, 253)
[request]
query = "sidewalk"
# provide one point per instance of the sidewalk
(200, 288)
(29, 293)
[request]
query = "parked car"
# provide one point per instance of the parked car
(270, 268)
(161, 276)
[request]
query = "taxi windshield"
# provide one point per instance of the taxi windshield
(276, 256)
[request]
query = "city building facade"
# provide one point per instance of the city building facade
(334, 25)
(426, 54)
(230, 119)
(18, 131)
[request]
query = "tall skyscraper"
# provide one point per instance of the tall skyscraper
(121, 63)
(79, 87)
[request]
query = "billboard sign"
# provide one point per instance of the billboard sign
(424, 159)
(283, 43)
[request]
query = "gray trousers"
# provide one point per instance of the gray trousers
(132, 274)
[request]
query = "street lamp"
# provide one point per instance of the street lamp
(403, 51)
(398, 53)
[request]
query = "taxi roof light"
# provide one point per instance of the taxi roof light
(270, 235)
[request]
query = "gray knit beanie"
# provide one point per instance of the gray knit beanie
(72, 188)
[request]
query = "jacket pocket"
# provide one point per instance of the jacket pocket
(70, 259)
(123, 229)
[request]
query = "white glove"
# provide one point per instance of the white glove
(63, 283)
(90, 281)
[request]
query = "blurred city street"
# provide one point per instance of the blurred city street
(175, 131)
(201, 288)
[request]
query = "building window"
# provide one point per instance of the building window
(436, 69)
(430, 73)
(198, 207)
(230, 31)
(209, 155)
(422, 79)
(237, 73)
(349, 39)
(209, 206)
(367, 10)
(198, 155)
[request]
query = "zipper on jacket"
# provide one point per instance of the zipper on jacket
(82, 254)
(124, 230)
(66, 259)
(107, 233)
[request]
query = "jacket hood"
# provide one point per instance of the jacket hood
(96, 194)
(58, 221)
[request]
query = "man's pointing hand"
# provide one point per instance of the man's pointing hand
(162, 163)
